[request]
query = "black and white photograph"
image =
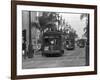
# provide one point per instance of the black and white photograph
(54, 39)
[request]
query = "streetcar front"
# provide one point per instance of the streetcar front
(52, 44)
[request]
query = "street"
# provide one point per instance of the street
(70, 58)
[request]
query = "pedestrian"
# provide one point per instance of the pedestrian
(24, 49)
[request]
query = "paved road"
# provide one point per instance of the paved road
(70, 58)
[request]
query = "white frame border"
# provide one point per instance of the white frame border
(21, 71)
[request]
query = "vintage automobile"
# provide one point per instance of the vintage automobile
(69, 41)
(81, 43)
(52, 44)
(70, 44)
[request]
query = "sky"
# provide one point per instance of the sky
(76, 23)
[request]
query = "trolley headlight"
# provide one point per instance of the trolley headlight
(67, 45)
(23, 52)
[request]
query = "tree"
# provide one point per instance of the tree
(75, 34)
(47, 20)
(82, 16)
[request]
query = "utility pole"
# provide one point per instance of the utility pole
(87, 42)
(30, 51)
(58, 21)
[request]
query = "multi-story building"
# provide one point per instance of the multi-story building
(28, 20)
